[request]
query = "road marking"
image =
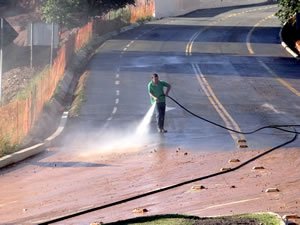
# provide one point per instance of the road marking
(250, 49)
(117, 75)
(189, 46)
(272, 108)
(169, 108)
(117, 92)
(226, 204)
(114, 110)
(229, 121)
(284, 83)
(117, 101)
(8, 203)
(117, 82)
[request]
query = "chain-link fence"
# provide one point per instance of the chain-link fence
(32, 71)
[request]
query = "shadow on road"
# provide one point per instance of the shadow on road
(212, 12)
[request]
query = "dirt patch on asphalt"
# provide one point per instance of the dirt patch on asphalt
(109, 178)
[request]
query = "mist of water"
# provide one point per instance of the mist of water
(129, 139)
(143, 127)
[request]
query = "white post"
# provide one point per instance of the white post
(1, 56)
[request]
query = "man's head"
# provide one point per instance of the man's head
(155, 78)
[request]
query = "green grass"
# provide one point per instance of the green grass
(32, 85)
(78, 96)
(6, 147)
(174, 219)
(144, 19)
(264, 218)
(123, 13)
(158, 220)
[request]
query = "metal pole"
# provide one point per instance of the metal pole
(31, 44)
(1, 56)
(52, 46)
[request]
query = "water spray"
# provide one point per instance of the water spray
(143, 127)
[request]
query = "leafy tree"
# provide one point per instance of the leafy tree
(58, 11)
(71, 13)
(288, 9)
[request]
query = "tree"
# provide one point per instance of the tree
(72, 13)
(60, 11)
(288, 8)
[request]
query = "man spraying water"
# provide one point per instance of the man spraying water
(158, 96)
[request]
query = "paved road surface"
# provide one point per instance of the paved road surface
(224, 64)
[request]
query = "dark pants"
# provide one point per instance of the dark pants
(160, 114)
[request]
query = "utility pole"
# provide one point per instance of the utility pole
(1, 56)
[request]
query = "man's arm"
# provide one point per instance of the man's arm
(149, 91)
(155, 98)
(168, 89)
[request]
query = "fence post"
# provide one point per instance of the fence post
(1, 57)
(52, 45)
(31, 45)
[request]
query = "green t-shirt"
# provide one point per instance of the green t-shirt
(157, 90)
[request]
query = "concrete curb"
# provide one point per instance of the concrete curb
(38, 148)
(285, 46)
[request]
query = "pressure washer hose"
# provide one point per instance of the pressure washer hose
(279, 127)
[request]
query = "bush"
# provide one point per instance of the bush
(144, 19)
(5, 146)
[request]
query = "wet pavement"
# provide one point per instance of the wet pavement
(221, 69)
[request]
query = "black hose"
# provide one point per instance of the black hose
(62, 218)
(278, 127)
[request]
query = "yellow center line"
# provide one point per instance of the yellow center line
(189, 45)
(284, 83)
(229, 122)
(251, 51)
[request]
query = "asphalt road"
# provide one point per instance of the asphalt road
(224, 64)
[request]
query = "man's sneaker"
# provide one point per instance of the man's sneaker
(163, 131)
(159, 130)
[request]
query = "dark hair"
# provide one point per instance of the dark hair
(155, 75)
